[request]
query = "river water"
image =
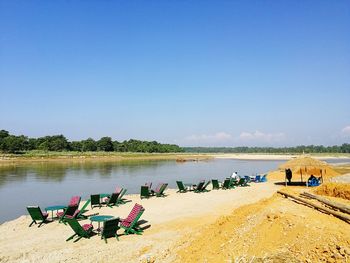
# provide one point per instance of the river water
(51, 183)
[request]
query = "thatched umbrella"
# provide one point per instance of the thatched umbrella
(306, 165)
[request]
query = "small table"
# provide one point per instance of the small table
(99, 219)
(55, 208)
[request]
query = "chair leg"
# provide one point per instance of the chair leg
(71, 237)
(77, 239)
(33, 222)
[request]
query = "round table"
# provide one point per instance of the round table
(54, 208)
(99, 219)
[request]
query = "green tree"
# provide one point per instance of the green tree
(89, 145)
(105, 144)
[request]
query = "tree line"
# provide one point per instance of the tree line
(18, 144)
(344, 148)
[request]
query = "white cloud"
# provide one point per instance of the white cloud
(209, 139)
(259, 136)
(345, 132)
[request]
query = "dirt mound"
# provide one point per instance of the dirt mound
(307, 166)
(341, 190)
(273, 230)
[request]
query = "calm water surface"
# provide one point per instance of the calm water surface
(46, 184)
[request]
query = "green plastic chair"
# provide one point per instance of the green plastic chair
(199, 187)
(226, 184)
(71, 212)
(110, 228)
(120, 199)
(145, 193)
(79, 230)
(83, 210)
(112, 201)
(37, 215)
(181, 186)
(160, 193)
(242, 182)
(130, 224)
(215, 184)
(95, 200)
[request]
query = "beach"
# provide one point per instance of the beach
(170, 218)
(250, 224)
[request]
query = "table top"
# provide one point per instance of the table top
(55, 207)
(100, 218)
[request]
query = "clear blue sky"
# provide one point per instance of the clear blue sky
(210, 73)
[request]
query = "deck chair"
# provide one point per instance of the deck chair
(160, 193)
(257, 178)
(110, 228)
(247, 178)
(129, 224)
(112, 200)
(120, 199)
(181, 186)
(79, 230)
(263, 179)
(95, 200)
(199, 186)
(226, 184)
(37, 215)
(118, 190)
(242, 182)
(145, 192)
(71, 212)
(203, 188)
(215, 184)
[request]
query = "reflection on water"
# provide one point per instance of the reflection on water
(50, 183)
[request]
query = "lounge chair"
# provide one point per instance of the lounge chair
(118, 190)
(181, 186)
(199, 186)
(257, 178)
(215, 184)
(71, 212)
(120, 199)
(37, 215)
(247, 178)
(160, 193)
(242, 182)
(95, 200)
(130, 223)
(145, 192)
(80, 213)
(112, 200)
(202, 187)
(226, 184)
(79, 230)
(263, 179)
(110, 228)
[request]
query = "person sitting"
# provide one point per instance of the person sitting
(235, 176)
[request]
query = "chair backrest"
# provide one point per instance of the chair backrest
(144, 191)
(118, 190)
(263, 178)
(247, 178)
(134, 213)
(257, 178)
(200, 185)
(120, 196)
(162, 189)
(110, 227)
(95, 199)
(113, 199)
(215, 183)
(241, 181)
(77, 228)
(149, 184)
(205, 186)
(181, 185)
(226, 183)
(75, 200)
(159, 186)
(35, 212)
(71, 209)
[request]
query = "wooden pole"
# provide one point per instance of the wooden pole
(341, 207)
(341, 216)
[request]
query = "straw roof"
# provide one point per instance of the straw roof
(304, 161)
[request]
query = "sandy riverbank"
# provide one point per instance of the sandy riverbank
(252, 156)
(170, 218)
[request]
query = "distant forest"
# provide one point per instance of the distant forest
(344, 148)
(59, 143)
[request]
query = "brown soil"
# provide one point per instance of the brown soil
(272, 230)
(341, 190)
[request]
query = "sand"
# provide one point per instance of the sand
(170, 218)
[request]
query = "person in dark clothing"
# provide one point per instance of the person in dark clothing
(289, 175)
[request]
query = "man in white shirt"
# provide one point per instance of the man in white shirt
(235, 176)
